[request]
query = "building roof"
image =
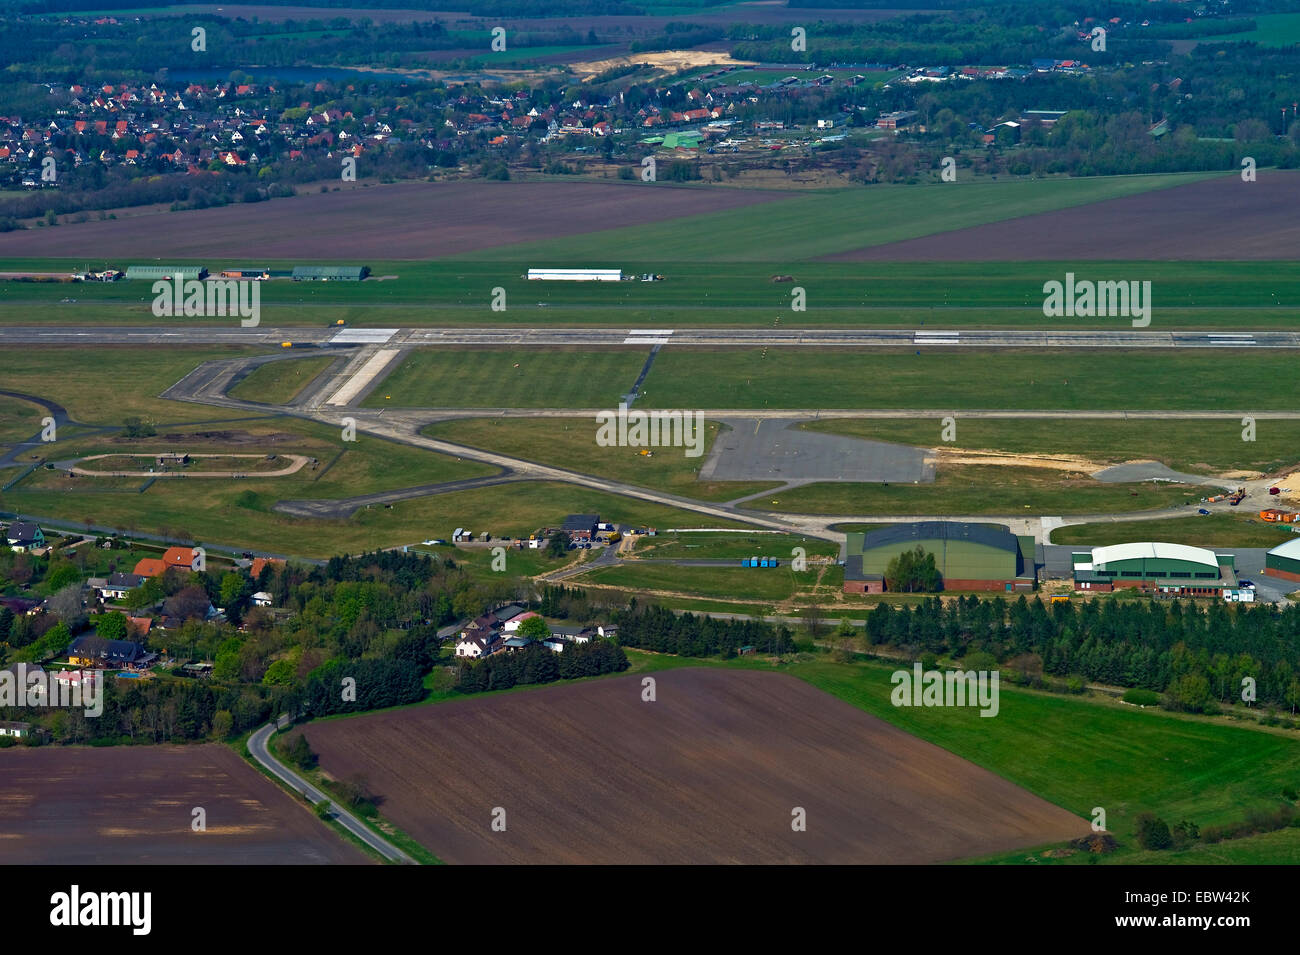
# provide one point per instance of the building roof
(150, 567)
(1289, 550)
(116, 651)
(127, 581)
(23, 531)
(997, 537)
(853, 569)
(1153, 550)
(179, 557)
(328, 271)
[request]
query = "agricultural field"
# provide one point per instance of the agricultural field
(1137, 761)
(250, 821)
(740, 747)
(414, 220)
(1217, 219)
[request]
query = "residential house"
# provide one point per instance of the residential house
(15, 729)
(24, 536)
(477, 645)
(92, 651)
(116, 586)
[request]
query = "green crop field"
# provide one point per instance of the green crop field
(1085, 753)
(1211, 530)
(523, 378)
(1200, 447)
(1271, 29)
(831, 221)
(981, 489)
(968, 379)
(279, 382)
(571, 443)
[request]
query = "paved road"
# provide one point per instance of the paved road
(257, 747)
(180, 333)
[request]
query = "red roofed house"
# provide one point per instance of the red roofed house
(150, 567)
(182, 557)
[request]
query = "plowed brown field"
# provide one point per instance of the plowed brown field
(133, 805)
(1214, 220)
(708, 773)
(417, 220)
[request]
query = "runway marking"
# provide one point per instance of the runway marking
(935, 338)
(1231, 339)
(364, 375)
(364, 336)
(648, 336)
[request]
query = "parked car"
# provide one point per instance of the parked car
(1202, 511)
(1275, 490)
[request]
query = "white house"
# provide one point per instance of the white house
(554, 643)
(513, 623)
(261, 599)
(476, 646)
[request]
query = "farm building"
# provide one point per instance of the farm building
(1284, 560)
(1171, 569)
(156, 272)
(575, 275)
(967, 556)
(330, 273)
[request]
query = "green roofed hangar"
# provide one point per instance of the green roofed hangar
(967, 556)
(1283, 561)
(1175, 570)
(155, 272)
(330, 273)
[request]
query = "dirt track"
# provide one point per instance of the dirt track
(1215, 220)
(133, 805)
(415, 221)
(709, 773)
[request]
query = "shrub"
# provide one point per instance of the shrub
(1153, 832)
(1140, 697)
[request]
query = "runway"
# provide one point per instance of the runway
(698, 336)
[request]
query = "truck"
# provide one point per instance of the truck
(1237, 496)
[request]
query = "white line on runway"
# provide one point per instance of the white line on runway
(364, 336)
(365, 374)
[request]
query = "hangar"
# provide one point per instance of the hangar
(330, 273)
(168, 272)
(967, 556)
(1284, 560)
(1172, 569)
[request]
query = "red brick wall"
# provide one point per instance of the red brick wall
(1284, 574)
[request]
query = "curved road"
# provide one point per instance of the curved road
(258, 748)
